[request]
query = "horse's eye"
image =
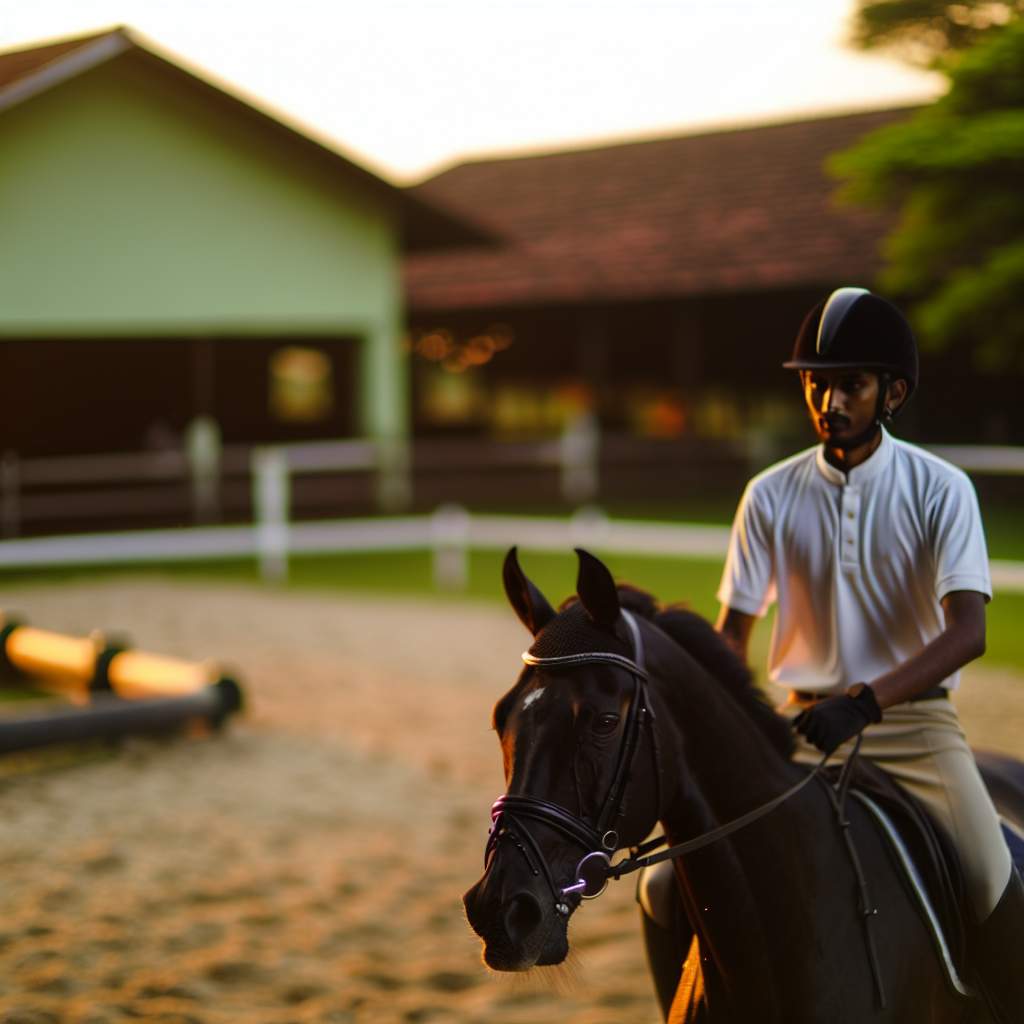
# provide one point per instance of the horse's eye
(606, 723)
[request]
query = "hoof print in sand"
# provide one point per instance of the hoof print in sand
(451, 981)
(234, 972)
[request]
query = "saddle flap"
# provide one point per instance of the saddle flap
(1014, 837)
(934, 865)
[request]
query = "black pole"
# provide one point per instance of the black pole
(108, 717)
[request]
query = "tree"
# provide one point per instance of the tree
(929, 33)
(955, 171)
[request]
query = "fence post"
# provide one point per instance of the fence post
(589, 528)
(449, 529)
(394, 484)
(10, 495)
(271, 509)
(202, 449)
(579, 446)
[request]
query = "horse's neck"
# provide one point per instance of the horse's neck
(730, 763)
(730, 767)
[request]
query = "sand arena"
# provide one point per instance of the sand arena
(308, 865)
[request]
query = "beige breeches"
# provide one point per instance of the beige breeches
(922, 746)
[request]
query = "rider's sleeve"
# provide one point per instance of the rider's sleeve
(958, 539)
(748, 581)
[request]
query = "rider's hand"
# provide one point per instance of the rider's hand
(831, 722)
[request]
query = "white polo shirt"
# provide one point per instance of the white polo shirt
(858, 562)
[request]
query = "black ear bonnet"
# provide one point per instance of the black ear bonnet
(573, 631)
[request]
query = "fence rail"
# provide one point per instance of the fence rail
(209, 483)
(450, 534)
(994, 460)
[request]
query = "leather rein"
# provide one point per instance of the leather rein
(601, 841)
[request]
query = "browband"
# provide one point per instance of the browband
(591, 657)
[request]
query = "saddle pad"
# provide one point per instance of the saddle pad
(1015, 841)
(917, 886)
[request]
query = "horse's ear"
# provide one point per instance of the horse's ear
(529, 603)
(597, 590)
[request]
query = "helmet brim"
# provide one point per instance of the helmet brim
(805, 364)
(827, 364)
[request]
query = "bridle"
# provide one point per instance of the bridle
(601, 840)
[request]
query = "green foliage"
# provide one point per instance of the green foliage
(955, 171)
(929, 32)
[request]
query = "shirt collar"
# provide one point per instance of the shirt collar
(874, 464)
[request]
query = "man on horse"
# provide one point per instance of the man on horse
(874, 553)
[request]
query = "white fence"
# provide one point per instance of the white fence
(107, 486)
(450, 534)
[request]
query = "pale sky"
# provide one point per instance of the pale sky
(408, 87)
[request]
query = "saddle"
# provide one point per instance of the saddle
(925, 858)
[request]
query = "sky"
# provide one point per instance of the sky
(406, 88)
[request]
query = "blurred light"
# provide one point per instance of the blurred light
(456, 363)
(301, 385)
(436, 345)
(501, 335)
(479, 350)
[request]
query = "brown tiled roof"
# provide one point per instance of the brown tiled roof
(746, 209)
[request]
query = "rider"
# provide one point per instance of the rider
(874, 553)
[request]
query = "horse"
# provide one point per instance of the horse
(628, 714)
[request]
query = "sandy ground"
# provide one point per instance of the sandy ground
(307, 865)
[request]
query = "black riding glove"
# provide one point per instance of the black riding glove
(831, 722)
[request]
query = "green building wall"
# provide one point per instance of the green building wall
(135, 202)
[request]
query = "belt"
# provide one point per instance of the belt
(935, 693)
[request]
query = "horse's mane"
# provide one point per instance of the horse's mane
(707, 647)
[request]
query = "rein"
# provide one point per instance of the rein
(637, 861)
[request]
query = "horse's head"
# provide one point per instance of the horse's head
(574, 731)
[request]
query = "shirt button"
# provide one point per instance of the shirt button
(851, 515)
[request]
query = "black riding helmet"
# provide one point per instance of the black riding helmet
(854, 329)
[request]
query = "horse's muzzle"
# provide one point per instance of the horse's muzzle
(519, 932)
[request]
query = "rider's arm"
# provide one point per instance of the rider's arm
(735, 627)
(962, 640)
(749, 573)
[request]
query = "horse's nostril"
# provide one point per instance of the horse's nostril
(522, 916)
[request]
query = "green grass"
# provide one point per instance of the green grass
(1003, 530)
(1002, 517)
(693, 581)
(1004, 633)
(411, 573)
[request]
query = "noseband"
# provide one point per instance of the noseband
(601, 840)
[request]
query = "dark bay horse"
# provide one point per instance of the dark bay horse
(627, 715)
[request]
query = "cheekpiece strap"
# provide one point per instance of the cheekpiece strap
(638, 641)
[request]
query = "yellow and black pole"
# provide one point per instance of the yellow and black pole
(119, 690)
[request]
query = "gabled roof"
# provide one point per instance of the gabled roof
(739, 210)
(27, 72)
(16, 64)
